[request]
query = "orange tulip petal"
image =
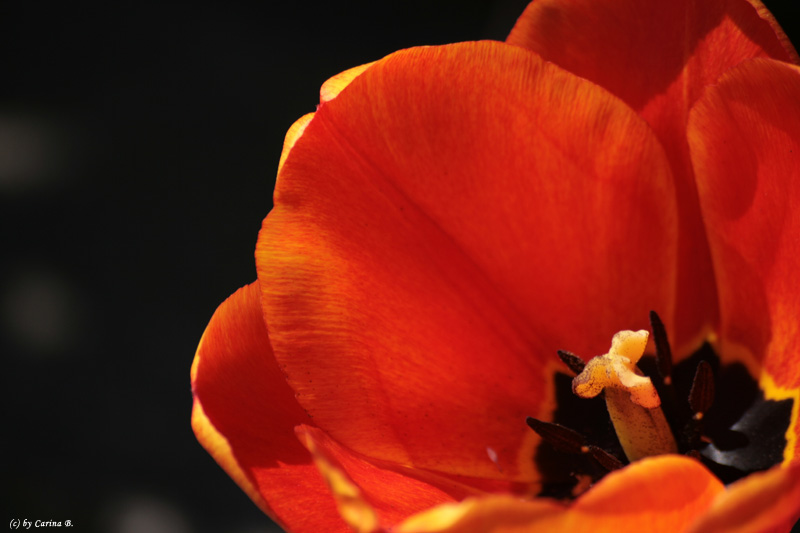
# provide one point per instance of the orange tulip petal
(353, 507)
(441, 228)
(764, 502)
(330, 90)
(372, 493)
(666, 493)
(658, 57)
(495, 514)
(295, 132)
(334, 85)
(244, 415)
(745, 139)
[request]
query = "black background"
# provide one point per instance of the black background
(138, 148)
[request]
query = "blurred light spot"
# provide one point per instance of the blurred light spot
(34, 152)
(145, 514)
(42, 312)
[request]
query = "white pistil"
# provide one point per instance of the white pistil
(632, 401)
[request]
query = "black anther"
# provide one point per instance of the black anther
(663, 351)
(560, 437)
(575, 363)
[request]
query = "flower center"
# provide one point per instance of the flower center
(625, 405)
(631, 398)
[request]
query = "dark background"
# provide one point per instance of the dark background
(138, 148)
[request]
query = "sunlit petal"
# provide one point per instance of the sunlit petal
(765, 502)
(371, 493)
(745, 138)
(428, 251)
(658, 57)
(663, 494)
(245, 414)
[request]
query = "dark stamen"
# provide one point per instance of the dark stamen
(739, 433)
(574, 362)
(663, 351)
(560, 437)
(701, 396)
(606, 460)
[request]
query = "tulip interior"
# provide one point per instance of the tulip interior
(623, 406)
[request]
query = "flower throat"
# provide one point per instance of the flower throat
(623, 406)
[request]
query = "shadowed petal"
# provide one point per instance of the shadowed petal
(658, 57)
(745, 139)
(371, 494)
(439, 233)
(764, 502)
(660, 494)
(352, 505)
(244, 415)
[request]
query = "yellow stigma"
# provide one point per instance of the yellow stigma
(631, 399)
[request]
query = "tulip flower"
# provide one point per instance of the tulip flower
(452, 216)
